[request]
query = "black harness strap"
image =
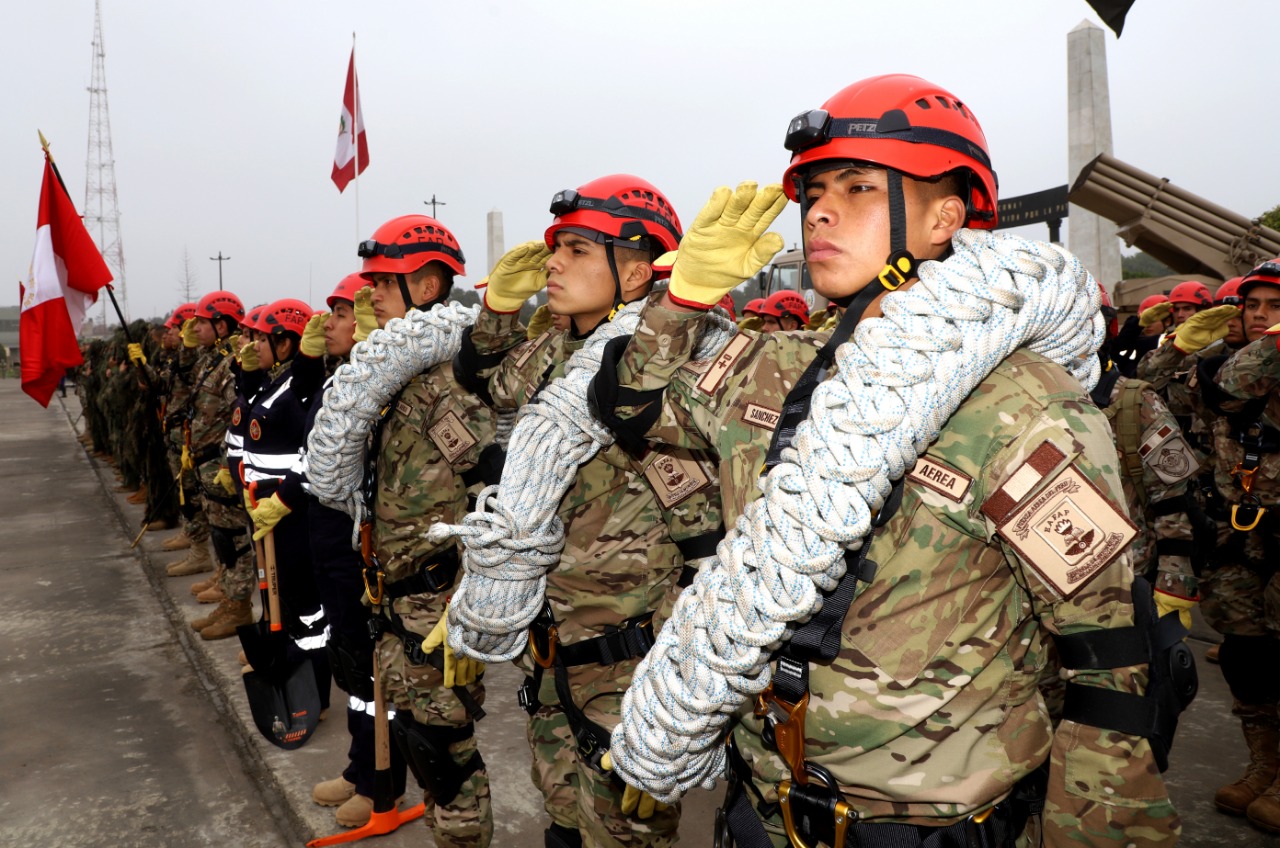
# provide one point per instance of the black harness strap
(413, 652)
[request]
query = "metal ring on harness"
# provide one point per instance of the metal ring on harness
(842, 813)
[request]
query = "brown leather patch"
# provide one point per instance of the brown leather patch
(761, 416)
(948, 482)
(1168, 455)
(719, 368)
(452, 436)
(1068, 532)
(674, 478)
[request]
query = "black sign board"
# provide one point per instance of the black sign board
(1047, 205)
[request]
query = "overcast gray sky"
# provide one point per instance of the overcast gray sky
(224, 114)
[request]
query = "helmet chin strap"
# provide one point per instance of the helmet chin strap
(273, 340)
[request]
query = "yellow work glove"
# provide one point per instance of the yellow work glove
(248, 357)
(458, 671)
(1166, 603)
(223, 479)
(1155, 314)
(366, 321)
(519, 275)
(539, 322)
(266, 515)
(634, 800)
(312, 344)
(233, 342)
(726, 244)
(136, 356)
(189, 333)
(187, 463)
(1204, 328)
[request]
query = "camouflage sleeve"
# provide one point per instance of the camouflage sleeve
(1168, 464)
(1053, 506)
(495, 332)
(1254, 372)
(663, 342)
(1160, 364)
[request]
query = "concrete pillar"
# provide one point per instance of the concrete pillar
(1090, 237)
(496, 248)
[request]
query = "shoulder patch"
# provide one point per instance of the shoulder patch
(1042, 460)
(761, 416)
(236, 416)
(403, 408)
(1068, 533)
(1167, 454)
(531, 347)
(255, 430)
(452, 436)
(948, 482)
(719, 368)
(674, 478)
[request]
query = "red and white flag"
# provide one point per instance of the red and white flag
(63, 282)
(353, 146)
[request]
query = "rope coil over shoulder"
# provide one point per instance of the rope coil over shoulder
(515, 536)
(896, 384)
(380, 366)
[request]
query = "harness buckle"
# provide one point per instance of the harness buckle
(784, 724)
(543, 659)
(839, 809)
(899, 268)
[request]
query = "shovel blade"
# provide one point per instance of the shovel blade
(285, 707)
(265, 651)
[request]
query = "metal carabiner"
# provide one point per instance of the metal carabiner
(841, 812)
(552, 637)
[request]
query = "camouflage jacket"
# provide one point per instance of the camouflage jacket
(1167, 463)
(209, 406)
(433, 432)
(1251, 379)
(1172, 374)
(1010, 530)
(622, 518)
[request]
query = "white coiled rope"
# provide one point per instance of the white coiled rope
(897, 382)
(514, 537)
(380, 366)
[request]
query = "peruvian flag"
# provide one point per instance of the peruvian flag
(63, 282)
(352, 155)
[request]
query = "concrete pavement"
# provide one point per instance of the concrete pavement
(119, 725)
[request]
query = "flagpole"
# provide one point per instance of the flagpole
(355, 129)
(44, 143)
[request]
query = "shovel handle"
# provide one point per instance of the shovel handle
(273, 583)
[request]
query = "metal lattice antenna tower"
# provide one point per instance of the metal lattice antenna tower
(101, 210)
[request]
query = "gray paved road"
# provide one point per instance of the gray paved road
(117, 727)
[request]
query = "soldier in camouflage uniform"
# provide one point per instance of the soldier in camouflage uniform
(631, 518)
(176, 376)
(1241, 593)
(427, 455)
(929, 717)
(218, 316)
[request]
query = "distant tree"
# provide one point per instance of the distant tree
(1143, 265)
(187, 281)
(1270, 218)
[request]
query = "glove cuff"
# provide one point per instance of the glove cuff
(502, 306)
(691, 304)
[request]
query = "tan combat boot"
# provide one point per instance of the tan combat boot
(1262, 735)
(214, 579)
(330, 793)
(212, 595)
(138, 497)
(235, 614)
(179, 542)
(197, 562)
(198, 624)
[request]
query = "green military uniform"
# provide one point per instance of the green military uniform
(624, 519)
(209, 415)
(180, 377)
(1007, 533)
(433, 433)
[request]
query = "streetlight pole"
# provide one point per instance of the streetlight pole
(433, 203)
(219, 259)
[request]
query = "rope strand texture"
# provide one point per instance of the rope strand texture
(380, 366)
(514, 537)
(897, 382)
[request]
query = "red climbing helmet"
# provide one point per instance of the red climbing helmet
(182, 313)
(1197, 294)
(347, 289)
(900, 122)
(620, 207)
(786, 304)
(284, 316)
(220, 304)
(403, 245)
